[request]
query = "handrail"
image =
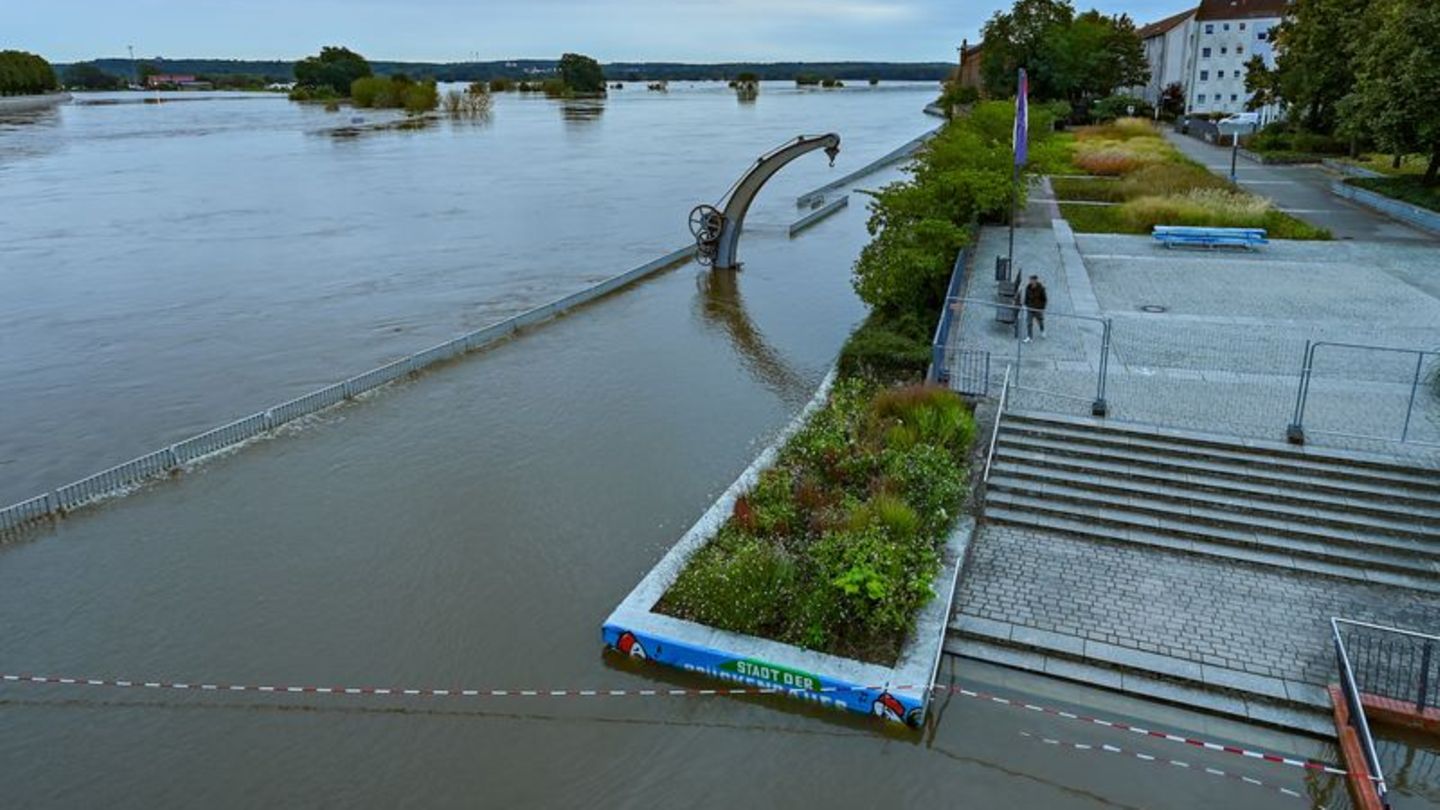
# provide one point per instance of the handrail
(1370, 626)
(1357, 711)
(995, 432)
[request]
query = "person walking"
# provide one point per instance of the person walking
(1034, 300)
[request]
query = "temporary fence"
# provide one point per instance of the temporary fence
(1340, 381)
(1239, 379)
(169, 460)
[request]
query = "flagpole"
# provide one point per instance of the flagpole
(1021, 135)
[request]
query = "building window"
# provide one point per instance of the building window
(1226, 27)
(1209, 28)
(1242, 26)
(1201, 98)
(1204, 53)
(1262, 35)
(1233, 96)
(1204, 75)
(1220, 75)
(1239, 50)
(1224, 50)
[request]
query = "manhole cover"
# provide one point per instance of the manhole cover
(1154, 308)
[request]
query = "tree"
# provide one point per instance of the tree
(1396, 95)
(335, 68)
(581, 74)
(1069, 57)
(88, 76)
(1018, 39)
(1315, 48)
(25, 74)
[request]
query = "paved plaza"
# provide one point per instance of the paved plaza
(1215, 341)
(1211, 342)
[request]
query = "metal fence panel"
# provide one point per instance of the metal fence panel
(308, 404)
(116, 479)
(25, 512)
(222, 437)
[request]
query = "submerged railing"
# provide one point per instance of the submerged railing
(169, 460)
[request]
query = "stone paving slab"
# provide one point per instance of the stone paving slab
(1165, 612)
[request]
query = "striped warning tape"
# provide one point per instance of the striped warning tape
(1159, 760)
(1311, 765)
(673, 692)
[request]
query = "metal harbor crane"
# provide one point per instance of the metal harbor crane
(717, 227)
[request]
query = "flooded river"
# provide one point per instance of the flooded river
(474, 526)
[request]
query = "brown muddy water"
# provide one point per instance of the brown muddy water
(472, 527)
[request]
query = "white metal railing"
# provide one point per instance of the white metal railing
(1352, 695)
(163, 462)
(995, 431)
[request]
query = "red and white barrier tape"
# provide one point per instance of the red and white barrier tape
(674, 692)
(1157, 760)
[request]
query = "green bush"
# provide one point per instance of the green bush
(395, 92)
(835, 546)
(886, 350)
(501, 85)
(1113, 107)
(738, 582)
(1406, 188)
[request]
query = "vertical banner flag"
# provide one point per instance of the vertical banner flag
(1022, 119)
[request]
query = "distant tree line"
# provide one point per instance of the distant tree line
(537, 70)
(25, 74)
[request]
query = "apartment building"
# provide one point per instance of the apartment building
(1226, 35)
(1165, 45)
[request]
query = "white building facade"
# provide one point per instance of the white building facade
(1165, 45)
(1205, 49)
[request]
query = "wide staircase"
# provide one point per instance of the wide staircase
(1324, 512)
(1264, 521)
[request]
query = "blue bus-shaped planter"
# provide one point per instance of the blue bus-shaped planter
(900, 693)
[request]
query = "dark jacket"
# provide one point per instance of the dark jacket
(1035, 295)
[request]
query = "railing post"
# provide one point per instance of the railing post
(1099, 406)
(1295, 432)
(1410, 408)
(1422, 697)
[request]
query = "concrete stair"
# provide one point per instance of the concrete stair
(1327, 513)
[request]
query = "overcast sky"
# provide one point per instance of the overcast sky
(457, 30)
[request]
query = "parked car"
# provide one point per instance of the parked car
(1240, 122)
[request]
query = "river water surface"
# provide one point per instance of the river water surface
(471, 527)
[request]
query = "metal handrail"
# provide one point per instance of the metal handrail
(995, 432)
(1370, 626)
(1357, 710)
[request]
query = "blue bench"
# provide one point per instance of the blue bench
(1193, 236)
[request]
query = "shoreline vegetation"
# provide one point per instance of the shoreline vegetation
(1140, 181)
(836, 547)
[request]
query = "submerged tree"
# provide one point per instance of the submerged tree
(581, 74)
(335, 68)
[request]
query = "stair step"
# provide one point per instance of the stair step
(1424, 481)
(1300, 715)
(1043, 451)
(1126, 430)
(1239, 496)
(1178, 504)
(1249, 549)
(1322, 492)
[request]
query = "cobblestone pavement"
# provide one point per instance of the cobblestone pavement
(1223, 347)
(1261, 621)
